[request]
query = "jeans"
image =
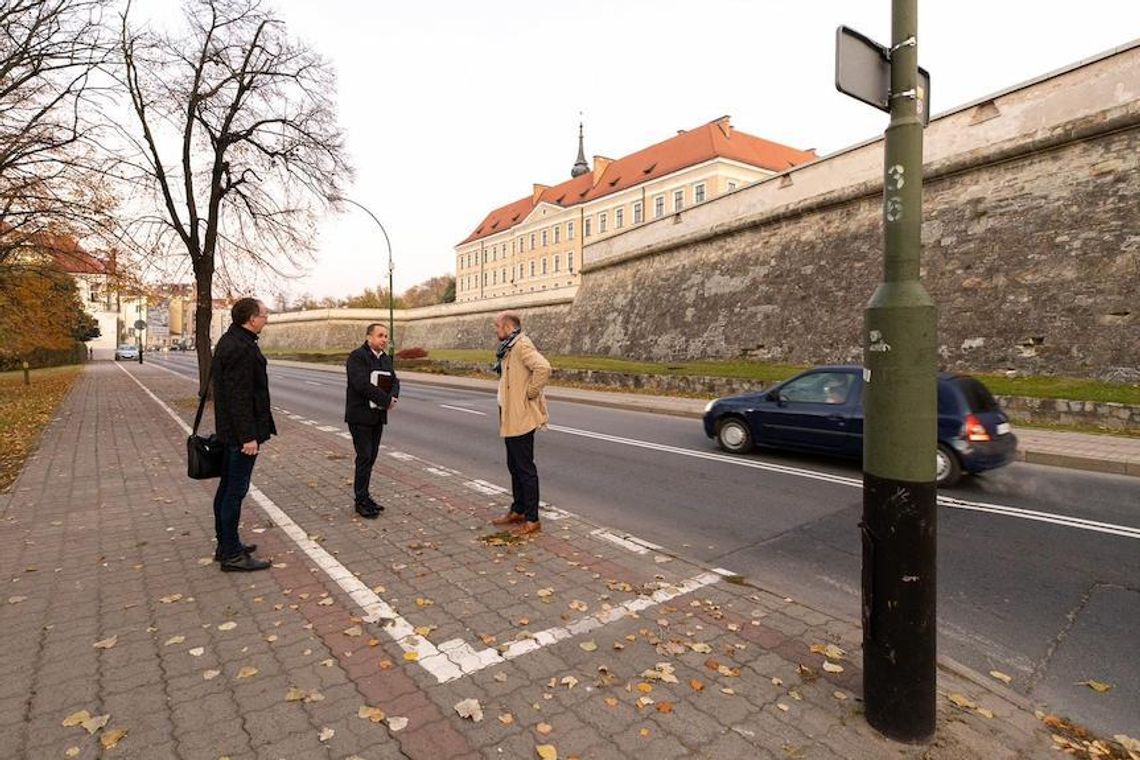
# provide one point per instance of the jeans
(524, 475)
(237, 468)
(366, 441)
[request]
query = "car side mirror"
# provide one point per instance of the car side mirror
(782, 400)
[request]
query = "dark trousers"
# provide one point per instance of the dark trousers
(237, 469)
(366, 441)
(524, 475)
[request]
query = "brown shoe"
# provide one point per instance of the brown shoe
(510, 518)
(527, 529)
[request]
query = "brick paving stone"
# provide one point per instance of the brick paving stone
(102, 524)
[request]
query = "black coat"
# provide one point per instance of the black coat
(359, 391)
(241, 389)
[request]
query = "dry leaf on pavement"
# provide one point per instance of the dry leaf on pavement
(247, 672)
(470, 708)
(76, 718)
(506, 719)
(831, 667)
(229, 625)
(1097, 686)
(210, 675)
(106, 643)
(374, 714)
(197, 651)
(411, 656)
(170, 599)
(962, 701)
(397, 723)
(547, 752)
(111, 739)
(94, 723)
(830, 651)
(326, 734)
(17, 599)
(544, 728)
(294, 694)
(664, 707)
(353, 631)
(174, 640)
(1001, 676)
(588, 646)
(696, 685)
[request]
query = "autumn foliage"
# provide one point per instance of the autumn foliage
(41, 318)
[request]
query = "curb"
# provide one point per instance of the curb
(650, 404)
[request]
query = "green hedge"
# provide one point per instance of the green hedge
(39, 358)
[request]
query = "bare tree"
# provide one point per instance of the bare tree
(256, 147)
(52, 169)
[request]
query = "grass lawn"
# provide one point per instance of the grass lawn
(765, 373)
(25, 410)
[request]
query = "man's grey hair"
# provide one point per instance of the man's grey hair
(510, 316)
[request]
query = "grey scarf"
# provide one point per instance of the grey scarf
(504, 347)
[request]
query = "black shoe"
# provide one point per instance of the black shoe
(244, 563)
(376, 505)
(367, 511)
(245, 548)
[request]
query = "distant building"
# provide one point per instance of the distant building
(535, 243)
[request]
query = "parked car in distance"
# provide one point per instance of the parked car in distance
(821, 411)
(126, 351)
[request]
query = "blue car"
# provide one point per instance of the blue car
(821, 411)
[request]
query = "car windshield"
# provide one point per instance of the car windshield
(126, 347)
(978, 396)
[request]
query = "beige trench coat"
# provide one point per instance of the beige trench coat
(522, 404)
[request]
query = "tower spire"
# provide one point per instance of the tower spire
(580, 166)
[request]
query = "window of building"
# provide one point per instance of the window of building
(494, 278)
(544, 238)
(699, 193)
(484, 255)
(557, 233)
(484, 279)
(570, 262)
(586, 232)
(544, 265)
(678, 200)
(619, 218)
(601, 222)
(557, 262)
(659, 207)
(637, 213)
(503, 275)
(521, 273)
(532, 241)
(569, 230)
(532, 269)
(494, 253)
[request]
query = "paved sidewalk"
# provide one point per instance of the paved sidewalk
(365, 635)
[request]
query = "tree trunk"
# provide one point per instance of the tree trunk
(203, 316)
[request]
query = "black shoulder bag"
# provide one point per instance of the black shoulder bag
(203, 455)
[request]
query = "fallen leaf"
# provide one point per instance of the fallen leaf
(724, 670)
(961, 700)
(700, 648)
(839, 695)
(644, 732)
(72, 752)
(664, 707)
(106, 643)
(294, 694)
(17, 599)
(544, 728)
(326, 734)
(76, 718)
(569, 682)
(94, 723)
(547, 752)
(247, 672)
(831, 667)
(578, 605)
(1001, 676)
(500, 677)
(174, 640)
(506, 719)
(422, 602)
(111, 738)
(411, 656)
(197, 651)
(210, 675)
(782, 706)
(423, 630)
(1097, 686)
(545, 592)
(984, 712)
(696, 685)
(1130, 744)
(314, 696)
(353, 631)
(829, 651)
(645, 688)
(326, 602)
(470, 708)
(374, 714)
(488, 639)
(524, 621)
(170, 599)
(229, 625)
(611, 701)
(386, 664)
(397, 723)
(728, 691)
(588, 646)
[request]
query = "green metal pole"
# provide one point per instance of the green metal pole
(391, 309)
(899, 525)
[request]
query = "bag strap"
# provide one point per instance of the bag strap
(202, 397)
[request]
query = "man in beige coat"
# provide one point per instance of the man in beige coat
(523, 373)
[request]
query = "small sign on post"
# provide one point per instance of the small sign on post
(863, 71)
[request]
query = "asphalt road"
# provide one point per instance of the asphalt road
(1039, 567)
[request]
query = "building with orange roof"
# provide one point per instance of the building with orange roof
(535, 243)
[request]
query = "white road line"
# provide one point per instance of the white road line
(461, 409)
(329, 429)
(483, 487)
(950, 502)
(319, 385)
(624, 542)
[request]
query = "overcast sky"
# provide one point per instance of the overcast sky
(454, 108)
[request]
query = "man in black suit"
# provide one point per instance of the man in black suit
(368, 398)
(242, 421)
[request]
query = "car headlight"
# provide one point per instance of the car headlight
(709, 405)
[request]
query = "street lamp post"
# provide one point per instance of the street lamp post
(391, 294)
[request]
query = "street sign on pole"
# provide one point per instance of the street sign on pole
(900, 403)
(140, 324)
(863, 71)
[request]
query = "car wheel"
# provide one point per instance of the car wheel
(947, 469)
(733, 435)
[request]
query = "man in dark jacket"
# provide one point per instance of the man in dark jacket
(242, 421)
(372, 390)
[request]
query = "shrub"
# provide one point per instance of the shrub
(412, 352)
